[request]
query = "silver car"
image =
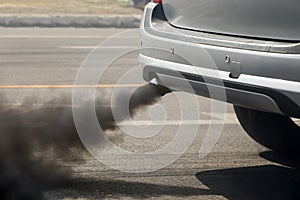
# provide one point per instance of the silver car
(251, 49)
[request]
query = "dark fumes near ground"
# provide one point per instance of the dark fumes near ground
(30, 137)
(143, 96)
(28, 140)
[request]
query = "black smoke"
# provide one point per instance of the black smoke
(34, 142)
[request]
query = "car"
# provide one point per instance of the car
(255, 48)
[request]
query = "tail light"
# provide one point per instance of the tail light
(157, 1)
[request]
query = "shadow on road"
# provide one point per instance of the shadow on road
(97, 189)
(259, 182)
(292, 161)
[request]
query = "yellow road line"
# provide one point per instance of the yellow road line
(69, 86)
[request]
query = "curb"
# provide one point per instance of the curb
(113, 21)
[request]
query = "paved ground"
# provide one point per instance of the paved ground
(71, 13)
(71, 7)
(40, 64)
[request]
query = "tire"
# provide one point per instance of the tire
(277, 132)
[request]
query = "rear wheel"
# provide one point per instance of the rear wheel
(277, 132)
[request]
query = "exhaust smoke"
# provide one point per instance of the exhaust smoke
(33, 139)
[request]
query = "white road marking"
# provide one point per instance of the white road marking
(69, 86)
(59, 36)
(297, 121)
(175, 122)
(230, 118)
(99, 47)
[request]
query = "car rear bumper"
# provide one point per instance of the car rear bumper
(262, 75)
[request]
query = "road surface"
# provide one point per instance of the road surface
(42, 64)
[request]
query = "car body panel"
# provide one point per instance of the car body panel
(271, 19)
(263, 80)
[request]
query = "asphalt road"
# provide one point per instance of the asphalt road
(39, 65)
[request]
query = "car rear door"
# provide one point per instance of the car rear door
(272, 19)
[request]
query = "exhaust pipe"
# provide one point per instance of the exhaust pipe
(161, 90)
(154, 81)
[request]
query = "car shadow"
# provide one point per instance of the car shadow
(257, 182)
(99, 189)
(290, 160)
